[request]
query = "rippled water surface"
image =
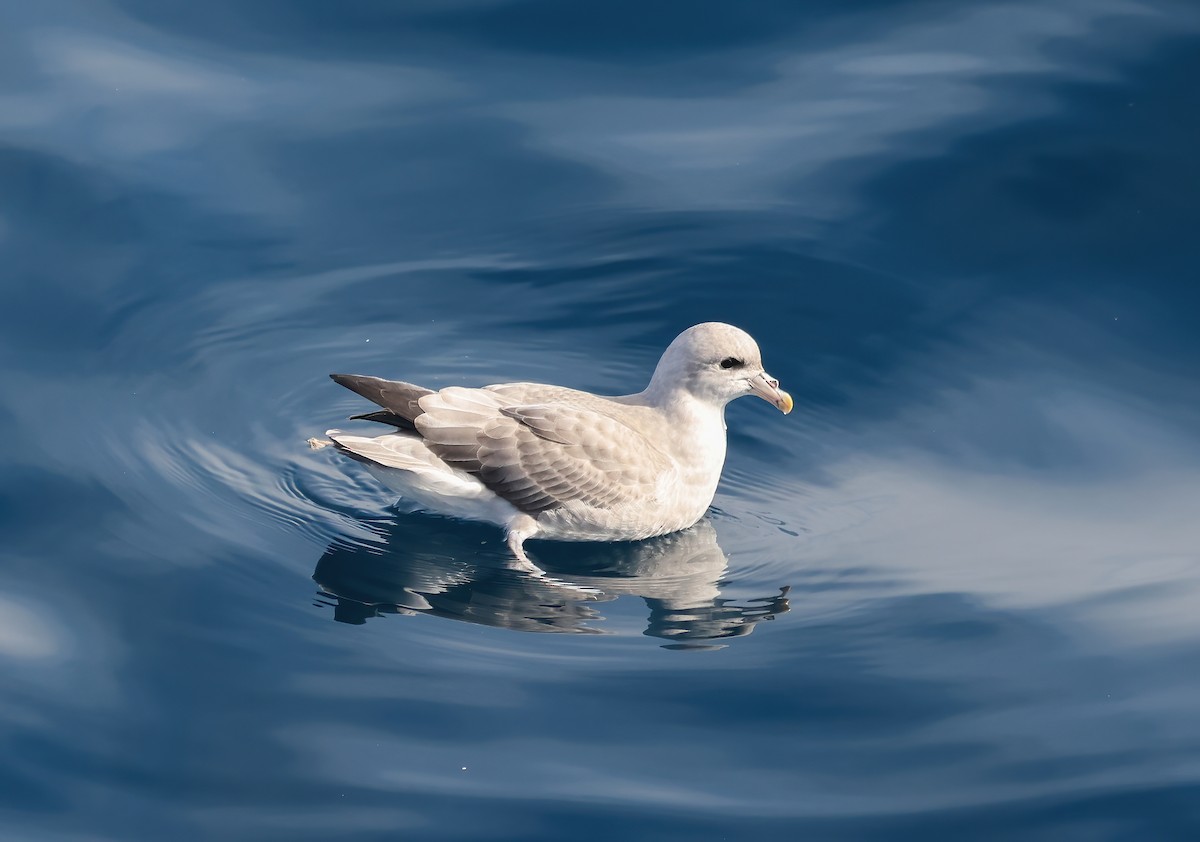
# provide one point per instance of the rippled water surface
(954, 595)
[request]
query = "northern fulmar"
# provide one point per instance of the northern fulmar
(552, 462)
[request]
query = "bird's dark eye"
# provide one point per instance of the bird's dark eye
(731, 362)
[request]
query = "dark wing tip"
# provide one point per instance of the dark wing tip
(395, 396)
(386, 416)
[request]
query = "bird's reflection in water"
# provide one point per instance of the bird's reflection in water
(464, 572)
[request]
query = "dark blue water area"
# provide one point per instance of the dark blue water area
(954, 595)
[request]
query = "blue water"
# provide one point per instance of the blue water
(954, 595)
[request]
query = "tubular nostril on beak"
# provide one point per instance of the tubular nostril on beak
(773, 383)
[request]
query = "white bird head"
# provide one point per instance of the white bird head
(716, 363)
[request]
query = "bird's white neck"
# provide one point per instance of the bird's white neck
(698, 433)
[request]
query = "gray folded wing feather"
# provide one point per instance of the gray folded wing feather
(398, 399)
(542, 456)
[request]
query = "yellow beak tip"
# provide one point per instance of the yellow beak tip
(785, 404)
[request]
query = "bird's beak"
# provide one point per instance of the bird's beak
(767, 388)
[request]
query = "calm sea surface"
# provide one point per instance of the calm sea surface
(954, 595)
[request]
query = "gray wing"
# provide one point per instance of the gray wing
(542, 456)
(398, 399)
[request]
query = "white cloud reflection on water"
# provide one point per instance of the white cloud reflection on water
(60, 658)
(170, 114)
(1118, 555)
(191, 117)
(26, 634)
(907, 89)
